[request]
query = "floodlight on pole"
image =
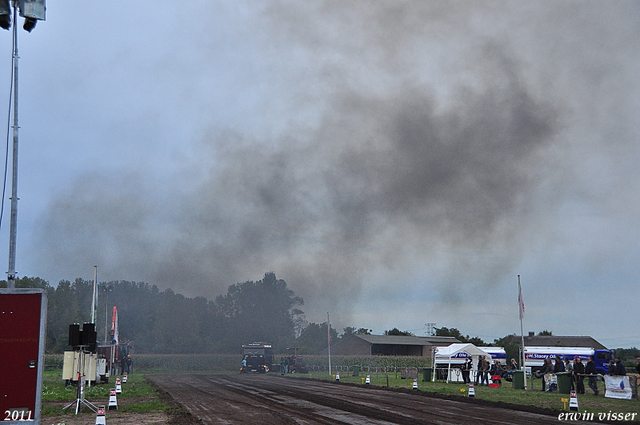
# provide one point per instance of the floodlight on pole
(32, 11)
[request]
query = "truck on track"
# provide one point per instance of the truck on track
(256, 357)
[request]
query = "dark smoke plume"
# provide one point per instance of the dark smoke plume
(413, 136)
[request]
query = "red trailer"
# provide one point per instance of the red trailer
(23, 320)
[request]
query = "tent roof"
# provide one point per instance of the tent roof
(468, 348)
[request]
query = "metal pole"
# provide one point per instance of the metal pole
(106, 318)
(521, 314)
(11, 274)
(329, 341)
(94, 299)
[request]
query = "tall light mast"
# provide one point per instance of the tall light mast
(13, 229)
(32, 10)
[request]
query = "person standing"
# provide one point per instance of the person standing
(119, 368)
(578, 375)
(620, 369)
(559, 366)
(483, 368)
(514, 364)
(496, 372)
(128, 364)
(638, 365)
(466, 369)
(484, 377)
(547, 370)
(568, 367)
(508, 372)
(591, 372)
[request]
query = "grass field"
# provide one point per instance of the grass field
(137, 396)
(506, 394)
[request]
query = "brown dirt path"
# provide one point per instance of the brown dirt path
(272, 399)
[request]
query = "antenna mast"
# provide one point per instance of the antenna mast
(13, 229)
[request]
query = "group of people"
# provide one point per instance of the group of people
(484, 370)
(617, 367)
(579, 370)
(123, 365)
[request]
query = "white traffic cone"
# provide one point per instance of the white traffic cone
(118, 386)
(415, 384)
(100, 416)
(368, 380)
(472, 390)
(573, 401)
(124, 378)
(113, 401)
(337, 376)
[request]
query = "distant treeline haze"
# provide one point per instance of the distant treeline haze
(163, 322)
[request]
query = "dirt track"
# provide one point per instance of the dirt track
(272, 399)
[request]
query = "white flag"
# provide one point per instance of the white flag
(520, 301)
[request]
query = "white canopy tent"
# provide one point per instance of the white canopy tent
(446, 354)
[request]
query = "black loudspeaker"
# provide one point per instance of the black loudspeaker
(74, 334)
(88, 334)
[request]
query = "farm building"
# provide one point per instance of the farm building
(533, 340)
(389, 345)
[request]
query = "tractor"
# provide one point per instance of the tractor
(296, 362)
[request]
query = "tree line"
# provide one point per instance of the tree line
(164, 322)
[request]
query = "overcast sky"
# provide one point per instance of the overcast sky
(396, 162)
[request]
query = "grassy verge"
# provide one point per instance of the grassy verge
(137, 395)
(533, 396)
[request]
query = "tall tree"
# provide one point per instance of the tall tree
(63, 310)
(350, 331)
(314, 338)
(396, 331)
(511, 347)
(265, 310)
(475, 340)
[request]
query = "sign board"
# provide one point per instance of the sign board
(23, 319)
(618, 387)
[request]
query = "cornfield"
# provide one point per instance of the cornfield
(231, 362)
(367, 362)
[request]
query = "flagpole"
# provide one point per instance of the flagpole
(94, 299)
(521, 314)
(329, 341)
